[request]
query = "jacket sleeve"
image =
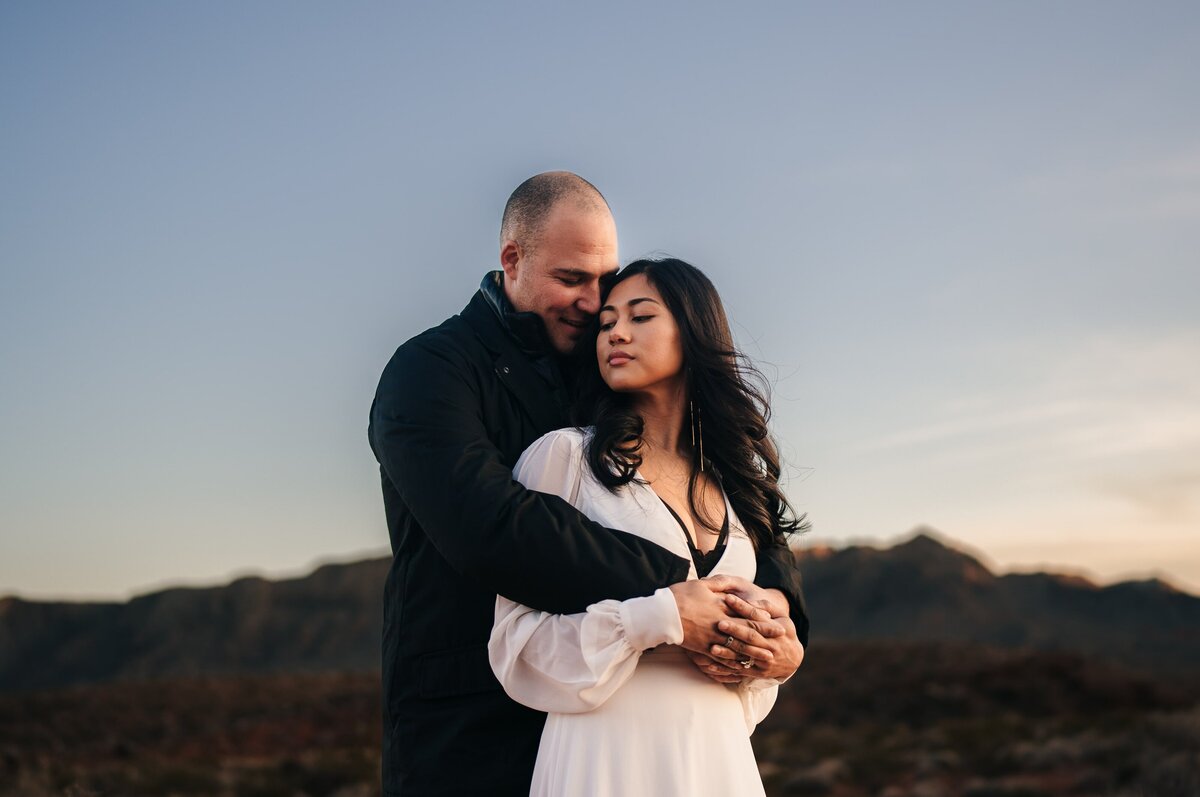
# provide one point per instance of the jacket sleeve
(571, 663)
(428, 433)
(777, 569)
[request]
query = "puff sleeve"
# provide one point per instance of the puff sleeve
(572, 663)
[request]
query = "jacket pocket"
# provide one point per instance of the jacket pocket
(459, 671)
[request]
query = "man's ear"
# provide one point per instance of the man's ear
(510, 258)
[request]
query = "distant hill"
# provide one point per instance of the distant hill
(330, 620)
(923, 589)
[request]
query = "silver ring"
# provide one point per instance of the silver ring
(729, 640)
(746, 663)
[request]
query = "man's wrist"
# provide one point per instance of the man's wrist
(777, 603)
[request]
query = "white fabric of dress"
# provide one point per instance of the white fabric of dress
(629, 714)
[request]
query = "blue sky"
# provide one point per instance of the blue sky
(960, 239)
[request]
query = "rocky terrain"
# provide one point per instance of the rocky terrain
(860, 719)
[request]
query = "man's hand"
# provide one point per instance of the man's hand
(752, 635)
(723, 664)
(701, 608)
(772, 600)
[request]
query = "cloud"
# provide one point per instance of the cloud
(1161, 188)
(976, 424)
(1133, 398)
(1168, 496)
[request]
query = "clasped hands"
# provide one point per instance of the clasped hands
(728, 621)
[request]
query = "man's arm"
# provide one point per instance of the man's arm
(428, 434)
(777, 569)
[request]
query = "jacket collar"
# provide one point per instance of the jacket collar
(533, 375)
(527, 329)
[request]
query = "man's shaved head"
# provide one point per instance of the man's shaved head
(557, 242)
(530, 205)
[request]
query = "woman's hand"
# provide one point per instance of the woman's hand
(717, 670)
(701, 608)
(743, 638)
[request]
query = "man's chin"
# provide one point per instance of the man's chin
(566, 338)
(567, 342)
(563, 345)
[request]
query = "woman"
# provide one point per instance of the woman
(678, 453)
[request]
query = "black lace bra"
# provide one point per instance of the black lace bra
(705, 562)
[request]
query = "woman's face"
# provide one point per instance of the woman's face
(639, 347)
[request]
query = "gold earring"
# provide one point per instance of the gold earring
(692, 421)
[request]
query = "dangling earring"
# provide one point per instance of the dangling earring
(692, 422)
(697, 425)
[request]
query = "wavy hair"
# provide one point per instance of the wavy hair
(727, 393)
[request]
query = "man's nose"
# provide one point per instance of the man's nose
(589, 299)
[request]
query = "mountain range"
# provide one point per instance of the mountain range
(922, 589)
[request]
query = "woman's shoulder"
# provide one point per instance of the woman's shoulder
(560, 443)
(573, 436)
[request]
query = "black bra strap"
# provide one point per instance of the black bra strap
(721, 537)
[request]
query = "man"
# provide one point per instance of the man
(455, 408)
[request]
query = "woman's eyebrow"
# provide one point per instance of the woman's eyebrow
(629, 303)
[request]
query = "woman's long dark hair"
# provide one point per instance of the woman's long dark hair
(727, 395)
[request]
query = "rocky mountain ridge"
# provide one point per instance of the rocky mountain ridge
(921, 589)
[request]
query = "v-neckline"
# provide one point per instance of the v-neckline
(699, 558)
(722, 535)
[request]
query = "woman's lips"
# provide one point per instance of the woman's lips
(619, 358)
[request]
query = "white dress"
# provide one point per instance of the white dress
(629, 714)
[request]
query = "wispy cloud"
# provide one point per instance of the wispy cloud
(964, 426)
(1163, 188)
(1102, 398)
(1169, 496)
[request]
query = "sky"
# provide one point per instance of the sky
(959, 239)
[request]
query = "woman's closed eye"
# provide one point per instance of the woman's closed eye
(637, 319)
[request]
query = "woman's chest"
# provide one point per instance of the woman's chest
(637, 509)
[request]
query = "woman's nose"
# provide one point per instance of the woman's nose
(616, 334)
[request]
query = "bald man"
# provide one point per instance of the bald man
(455, 407)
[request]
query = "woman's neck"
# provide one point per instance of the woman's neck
(663, 414)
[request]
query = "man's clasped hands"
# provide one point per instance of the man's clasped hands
(733, 629)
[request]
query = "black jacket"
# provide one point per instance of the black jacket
(455, 408)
